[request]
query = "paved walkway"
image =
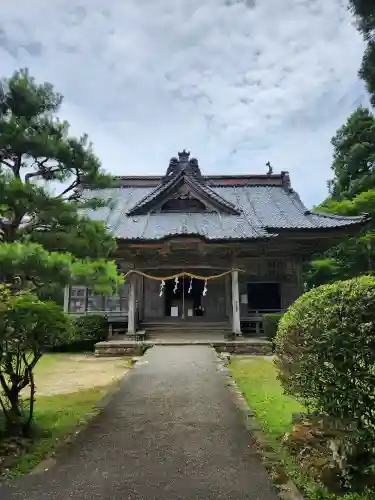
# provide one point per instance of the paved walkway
(171, 433)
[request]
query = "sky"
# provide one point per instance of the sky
(235, 82)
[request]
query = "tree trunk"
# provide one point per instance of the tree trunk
(31, 402)
(13, 415)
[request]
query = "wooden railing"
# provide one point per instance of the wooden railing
(111, 315)
(253, 321)
(256, 312)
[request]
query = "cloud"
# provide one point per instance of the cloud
(237, 82)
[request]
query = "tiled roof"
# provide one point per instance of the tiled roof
(263, 211)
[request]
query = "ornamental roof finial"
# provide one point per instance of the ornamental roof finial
(183, 165)
(184, 156)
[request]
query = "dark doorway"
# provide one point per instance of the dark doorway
(187, 297)
(264, 296)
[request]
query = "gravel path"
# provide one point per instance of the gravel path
(171, 433)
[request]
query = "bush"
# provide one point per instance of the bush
(325, 347)
(270, 324)
(84, 333)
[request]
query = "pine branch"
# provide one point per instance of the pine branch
(72, 186)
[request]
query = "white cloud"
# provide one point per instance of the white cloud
(237, 82)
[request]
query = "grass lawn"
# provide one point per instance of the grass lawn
(67, 388)
(55, 418)
(257, 380)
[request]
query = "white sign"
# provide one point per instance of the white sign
(244, 298)
(174, 311)
(190, 312)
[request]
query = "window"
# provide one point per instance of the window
(264, 296)
(83, 299)
(94, 301)
(78, 297)
(113, 303)
(118, 302)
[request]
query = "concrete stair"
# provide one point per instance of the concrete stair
(181, 333)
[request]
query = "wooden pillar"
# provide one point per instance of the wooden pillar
(66, 299)
(110, 331)
(132, 305)
(140, 297)
(228, 298)
(236, 322)
(299, 278)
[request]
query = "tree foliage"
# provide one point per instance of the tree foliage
(32, 137)
(354, 156)
(364, 10)
(27, 326)
(352, 193)
(323, 270)
(367, 70)
(34, 265)
(354, 256)
(47, 238)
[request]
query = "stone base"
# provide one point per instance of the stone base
(130, 348)
(245, 347)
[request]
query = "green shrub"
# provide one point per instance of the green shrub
(270, 324)
(84, 333)
(325, 347)
(326, 350)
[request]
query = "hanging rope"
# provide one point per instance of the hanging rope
(180, 275)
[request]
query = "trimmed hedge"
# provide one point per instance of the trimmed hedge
(325, 349)
(84, 333)
(270, 324)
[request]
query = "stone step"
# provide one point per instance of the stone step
(187, 333)
(184, 327)
(129, 348)
(192, 333)
(199, 331)
(183, 324)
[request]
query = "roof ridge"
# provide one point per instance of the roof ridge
(206, 177)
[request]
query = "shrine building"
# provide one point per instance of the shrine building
(215, 250)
